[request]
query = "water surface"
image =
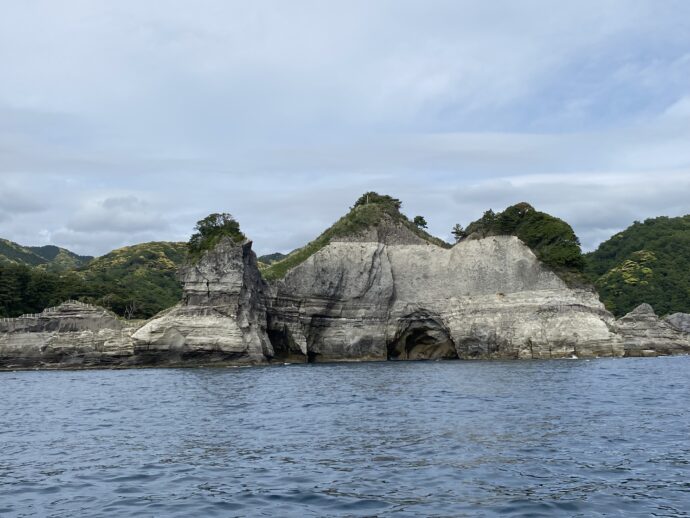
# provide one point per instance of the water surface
(608, 437)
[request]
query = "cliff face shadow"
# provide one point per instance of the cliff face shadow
(421, 337)
(284, 347)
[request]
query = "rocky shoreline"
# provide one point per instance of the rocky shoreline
(385, 294)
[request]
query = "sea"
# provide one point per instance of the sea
(600, 437)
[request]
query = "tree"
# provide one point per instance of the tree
(419, 221)
(374, 197)
(210, 230)
(458, 232)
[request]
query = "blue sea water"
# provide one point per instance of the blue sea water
(607, 437)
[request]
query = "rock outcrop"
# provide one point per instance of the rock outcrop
(389, 294)
(644, 334)
(679, 321)
(222, 317)
(382, 293)
(71, 335)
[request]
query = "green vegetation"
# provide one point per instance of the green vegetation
(369, 211)
(210, 230)
(458, 232)
(266, 260)
(49, 258)
(647, 262)
(551, 239)
(419, 221)
(135, 281)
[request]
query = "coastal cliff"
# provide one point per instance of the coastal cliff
(374, 286)
(221, 318)
(388, 294)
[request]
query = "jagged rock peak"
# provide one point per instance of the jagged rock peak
(217, 273)
(643, 309)
(222, 316)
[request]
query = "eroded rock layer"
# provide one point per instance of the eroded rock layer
(484, 298)
(222, 317)
(72, 335)
(645, 334)
(383, 294)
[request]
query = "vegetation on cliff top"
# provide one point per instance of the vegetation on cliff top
(551, 239)
(369, 211)
(209, 232)
(647, 262)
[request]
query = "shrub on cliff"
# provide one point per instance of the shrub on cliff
(210, 230)
(369, 211)
(551, 239)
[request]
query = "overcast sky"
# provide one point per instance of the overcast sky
(127, 121)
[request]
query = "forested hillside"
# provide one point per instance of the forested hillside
(135, 281)
(49, 257)
(647, 262)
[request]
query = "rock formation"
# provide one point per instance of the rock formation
(71, 335)
(644, 334)
(387, 293)
(679, 321)
(382, 292)
(222, 316)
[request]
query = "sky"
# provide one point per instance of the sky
(124, 122)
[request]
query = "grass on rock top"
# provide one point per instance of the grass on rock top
(360, 218)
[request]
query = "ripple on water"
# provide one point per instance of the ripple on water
(570, 438)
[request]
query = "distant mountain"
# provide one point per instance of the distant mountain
(647, 262)
(271, 258)
(135, 281)
(49, 257)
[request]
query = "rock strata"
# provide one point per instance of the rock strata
(385, 293)
(403, 298)
(645, 334)
(222, 317)
(72, 335)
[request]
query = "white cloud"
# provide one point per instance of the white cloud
(128, 121)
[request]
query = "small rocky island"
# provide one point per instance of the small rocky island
(372, 287)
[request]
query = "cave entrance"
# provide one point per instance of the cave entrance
(284, 347)
(421, 337)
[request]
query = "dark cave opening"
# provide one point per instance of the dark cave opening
(284, 347)
(423, 339)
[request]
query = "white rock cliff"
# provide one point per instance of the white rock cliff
(385, 293)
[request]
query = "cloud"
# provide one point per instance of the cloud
(130, 121)
(14, 199)
(596, 205)
(126, 214)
